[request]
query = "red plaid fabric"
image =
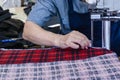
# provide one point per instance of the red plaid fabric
(47, 55)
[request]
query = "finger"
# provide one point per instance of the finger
(74, 45)
(87, 43)
(77, 38)
(84, 43)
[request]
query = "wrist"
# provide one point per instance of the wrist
(57, 40)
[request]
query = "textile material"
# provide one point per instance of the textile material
(103, 67)
(47, 55)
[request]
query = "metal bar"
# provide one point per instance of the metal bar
(106, 34)
(92, 32)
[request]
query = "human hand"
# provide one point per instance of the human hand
(74, 40)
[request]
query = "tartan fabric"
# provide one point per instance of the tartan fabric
(19, 56)
(103, 67)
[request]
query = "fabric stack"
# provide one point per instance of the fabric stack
(10, 28)
(59, 64)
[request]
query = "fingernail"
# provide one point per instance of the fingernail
(86, 47)
(90, 45)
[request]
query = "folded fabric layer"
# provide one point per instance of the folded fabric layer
(102, 67)
(48, 55)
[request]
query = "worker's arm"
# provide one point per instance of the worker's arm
(34, 33)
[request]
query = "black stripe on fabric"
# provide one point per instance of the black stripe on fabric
(1, 53)
(12, 58)
(28, 56)
(77, 54)
(62, 54)
(59, 54)
(43, 55)
(91, 52)
(73, 52)
(46, 53)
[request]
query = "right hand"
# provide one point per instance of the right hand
(74, 40)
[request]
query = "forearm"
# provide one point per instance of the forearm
(37, 35)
